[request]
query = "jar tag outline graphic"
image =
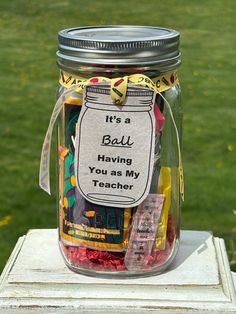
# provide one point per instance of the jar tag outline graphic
(114, 146)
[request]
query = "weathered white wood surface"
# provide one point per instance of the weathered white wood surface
(36, 280)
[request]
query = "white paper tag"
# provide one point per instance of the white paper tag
(114, 146)
(143, 231)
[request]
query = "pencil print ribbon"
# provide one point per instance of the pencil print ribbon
(119, 85)
(118, 88)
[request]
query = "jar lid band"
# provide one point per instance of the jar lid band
(120, 45)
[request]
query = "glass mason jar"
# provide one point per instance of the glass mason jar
(122, 241)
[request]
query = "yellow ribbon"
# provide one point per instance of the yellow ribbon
(119, 85)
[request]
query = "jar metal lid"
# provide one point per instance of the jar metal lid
(119, 45)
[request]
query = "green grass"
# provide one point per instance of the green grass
(28, 76)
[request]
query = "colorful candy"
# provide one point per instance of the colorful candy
(105, 238)
(83, 257)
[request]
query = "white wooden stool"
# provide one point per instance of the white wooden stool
(36, 280)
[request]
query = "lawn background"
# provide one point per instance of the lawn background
(28, 76)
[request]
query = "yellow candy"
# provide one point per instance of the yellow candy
(65, 202)
(164, 187)
(72, 180)
(90, 213)
(74, 101)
